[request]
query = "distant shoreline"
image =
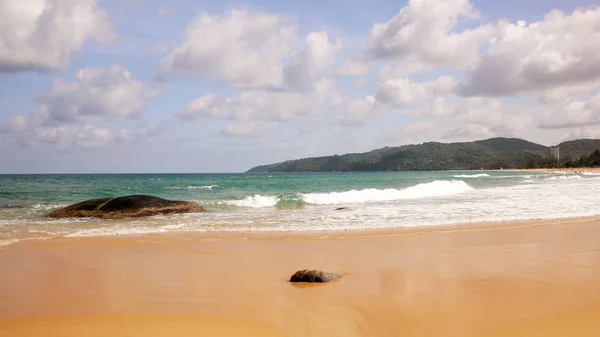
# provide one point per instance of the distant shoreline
(557, 170)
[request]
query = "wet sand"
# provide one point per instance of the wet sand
(529, 279)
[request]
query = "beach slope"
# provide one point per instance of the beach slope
(511, 279)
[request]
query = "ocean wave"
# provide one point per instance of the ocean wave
(436, 188)
(590, 173)
(122, 230)
(8, 242)
(207, 187)
(480, 175)
(566, 177)
(255, 201)
(41, 207)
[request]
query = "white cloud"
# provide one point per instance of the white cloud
(15, 124)
(574, 113)
(197, 106)
(65, 136)
(264, 106)
(562, 49)
(41, 35)
(251, 105)
(468, 132)
(494, 115)
(401, 92)
(419, 128)
(251, 51)
(403, 67)
(64, 111)
(255, 112)
(585, 132)
(439, 108)
(325, 92)
(353, 67)
(248, 129)
(91, 137)
(318, 54)
(241, 48)
(95, 93)
(425, 30)
(566, 94)
(360, 111)
(476, 117)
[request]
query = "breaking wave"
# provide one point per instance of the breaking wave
(8, 242)
(41, 207)
(480, 175)
(565, 177)
(436, 188)
(255, 201)
(208, 187)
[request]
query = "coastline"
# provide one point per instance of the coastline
(490, 279)
(558, 170)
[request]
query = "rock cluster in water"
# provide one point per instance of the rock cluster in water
(126, 207)
(314, 276)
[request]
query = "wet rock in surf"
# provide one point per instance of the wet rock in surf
(340, 208)
(126, 207)
(314, 276)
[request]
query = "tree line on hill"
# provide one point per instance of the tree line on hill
(592, 160)
(494, 153)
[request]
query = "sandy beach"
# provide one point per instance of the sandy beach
(536, 278)
(573, 170)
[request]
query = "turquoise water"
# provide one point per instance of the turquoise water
(297, 202)
(208, 188)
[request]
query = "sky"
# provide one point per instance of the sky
(117, 86)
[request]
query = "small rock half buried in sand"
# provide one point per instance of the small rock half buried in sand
(314, 276)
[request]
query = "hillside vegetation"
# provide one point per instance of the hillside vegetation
(494, 153)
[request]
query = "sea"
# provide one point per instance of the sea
(296, 202)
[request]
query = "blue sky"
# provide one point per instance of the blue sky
(221, 86)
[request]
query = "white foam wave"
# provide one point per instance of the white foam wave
(118, 230)
(528, 181)
(255, 201)
(208, 187)
(8, 242)
(436, 188)
(590, 173)
(480, 175)
(565, 177)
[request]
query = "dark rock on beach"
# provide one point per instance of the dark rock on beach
(126, 207)
(340, 208)
(314, 276)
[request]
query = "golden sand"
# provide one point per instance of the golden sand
(513, 279)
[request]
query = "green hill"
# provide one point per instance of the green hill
(510, 144)
(491, 153)
(574, 149)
